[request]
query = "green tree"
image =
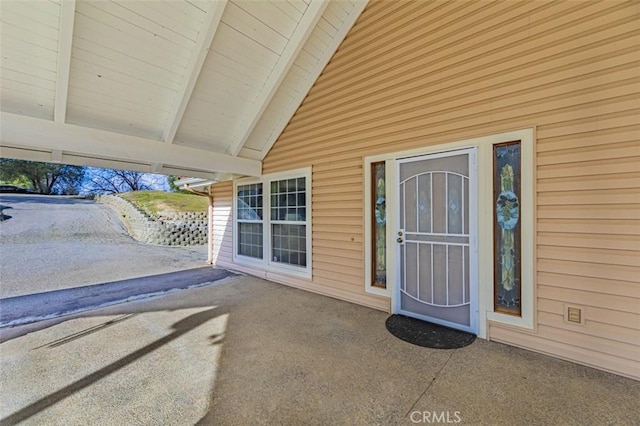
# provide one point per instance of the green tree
(45, 178)
(19, 181)
(171, 181)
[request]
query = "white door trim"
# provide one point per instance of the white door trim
(485, 223)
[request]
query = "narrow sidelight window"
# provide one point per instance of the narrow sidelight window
(507, 234)
(378, 225)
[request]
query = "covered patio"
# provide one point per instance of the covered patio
(259, 101)
(199, 88)
(248, 351)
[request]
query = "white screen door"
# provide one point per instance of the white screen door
(436, 239)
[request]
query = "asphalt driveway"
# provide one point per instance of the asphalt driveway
(51, 243)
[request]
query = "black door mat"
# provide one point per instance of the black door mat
(427, 334)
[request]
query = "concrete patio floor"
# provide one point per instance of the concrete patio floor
(248, 351)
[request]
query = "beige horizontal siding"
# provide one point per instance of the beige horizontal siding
(222, 222)
(413, 74)
(587, 211)
(566, 348)
(596, 314)
(607, 241)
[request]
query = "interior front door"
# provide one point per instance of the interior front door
(436, 239)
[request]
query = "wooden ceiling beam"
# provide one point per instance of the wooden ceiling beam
(44, 135)
(65, 39)
(198, 56)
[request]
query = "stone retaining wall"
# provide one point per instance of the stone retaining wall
(167, 229)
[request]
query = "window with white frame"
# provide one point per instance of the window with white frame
(273, 228)
(249, 214)
(288, 221)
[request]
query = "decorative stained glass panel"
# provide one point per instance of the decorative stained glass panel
(507, 235)
(379, 222)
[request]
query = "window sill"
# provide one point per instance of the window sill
(380, 291)
(263, 268)
(511, 320)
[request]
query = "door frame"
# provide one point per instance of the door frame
(474, 282)
(487, 316)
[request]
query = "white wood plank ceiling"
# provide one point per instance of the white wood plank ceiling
(198, 88)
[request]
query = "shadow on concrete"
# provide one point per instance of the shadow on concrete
(3, 216)
(180, 328)
(296, 358)
(85, 332)
(293, 357)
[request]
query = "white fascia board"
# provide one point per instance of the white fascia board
(202, 184)
(299, 37)
(358, 8)
(84, 160)
(188, 181)
(198, 56)
(194, 182)
(65, 38)
(73, 160)
(33, 133)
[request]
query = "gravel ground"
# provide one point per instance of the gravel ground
(51, 243)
